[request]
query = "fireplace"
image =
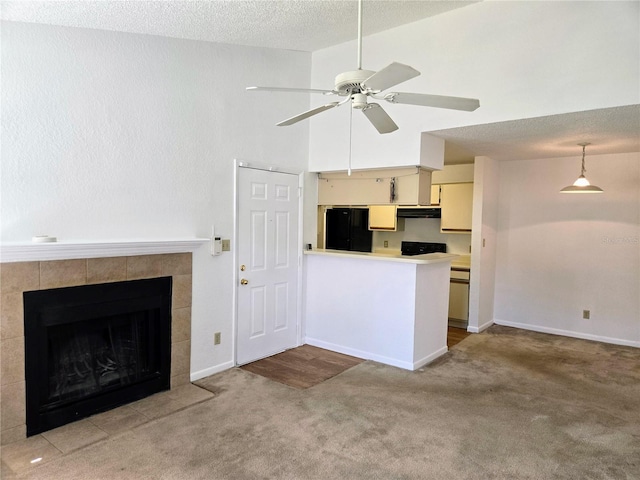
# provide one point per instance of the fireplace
(91, 348)
(71, 265)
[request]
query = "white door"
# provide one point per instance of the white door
(268, 251)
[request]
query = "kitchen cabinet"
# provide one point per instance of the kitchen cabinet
(389, 186)
(456, 202)
(383, 217)
(435, 195)
(459, 298)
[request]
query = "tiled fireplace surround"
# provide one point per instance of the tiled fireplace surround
(18, 277)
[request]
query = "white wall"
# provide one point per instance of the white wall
(521, 59)
(483, 243)
(560, 254)
(120, 136)
(423, 230)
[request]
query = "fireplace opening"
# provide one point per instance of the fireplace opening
(92, 348)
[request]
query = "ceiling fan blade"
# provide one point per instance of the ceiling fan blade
(285, 89)
(307, 114)
(379, 118)
(438, 101)
(389, 76)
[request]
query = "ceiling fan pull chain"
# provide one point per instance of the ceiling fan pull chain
(350, 135)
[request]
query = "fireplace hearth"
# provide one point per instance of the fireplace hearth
(91, 348)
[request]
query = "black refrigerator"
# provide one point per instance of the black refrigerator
(348, 229)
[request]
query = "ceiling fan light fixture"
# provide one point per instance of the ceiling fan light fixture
(582, 185)
(359, 101)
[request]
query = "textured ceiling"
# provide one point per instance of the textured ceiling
(608, 130)
(305, 25)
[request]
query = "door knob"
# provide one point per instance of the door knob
(244, 281)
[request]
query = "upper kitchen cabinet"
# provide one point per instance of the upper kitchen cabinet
(385, 218)
(389, 186)
(456, 202)
(435, 195)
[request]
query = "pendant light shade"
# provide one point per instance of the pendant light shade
(582, 185)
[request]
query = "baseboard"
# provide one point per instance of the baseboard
(211, 371)
(430, 358)
(568, 333)
(394, 362)
(481, 328)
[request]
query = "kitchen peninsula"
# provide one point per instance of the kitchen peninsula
(388, 308)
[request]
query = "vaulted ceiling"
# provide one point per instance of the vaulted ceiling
(309, 25)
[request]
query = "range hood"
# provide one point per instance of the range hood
(419, 211)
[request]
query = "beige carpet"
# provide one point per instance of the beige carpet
(506, 404)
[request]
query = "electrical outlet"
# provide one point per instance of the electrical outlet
(226, 245)
(586, 314)
(216, 338)
(386, 244)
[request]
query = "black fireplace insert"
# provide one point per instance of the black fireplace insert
(92, 348)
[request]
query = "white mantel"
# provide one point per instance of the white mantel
(30, 252)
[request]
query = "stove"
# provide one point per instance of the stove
(422, 248)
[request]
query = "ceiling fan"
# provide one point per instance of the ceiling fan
(359, 85)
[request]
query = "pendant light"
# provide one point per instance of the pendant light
(582, 185)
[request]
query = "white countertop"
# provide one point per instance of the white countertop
(418, 259)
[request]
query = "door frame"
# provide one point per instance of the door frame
(238, 164)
